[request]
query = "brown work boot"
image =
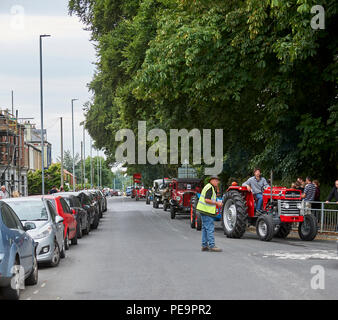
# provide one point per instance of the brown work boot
(205, 249)
(215, 249)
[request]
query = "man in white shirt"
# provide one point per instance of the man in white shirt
(3, 193)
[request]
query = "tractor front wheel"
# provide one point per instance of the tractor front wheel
(307, 230)
(234, 215)
(172, 212)
(192, 213)
(264, 227)
(198, 222)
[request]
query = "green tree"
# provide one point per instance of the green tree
(52, 178)
(255, 68)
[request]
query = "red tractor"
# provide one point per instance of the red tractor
(138, 191)
(182, 190)
(281, 208)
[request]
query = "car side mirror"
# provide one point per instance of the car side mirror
(58, 219)
(29, 226)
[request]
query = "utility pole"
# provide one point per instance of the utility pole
(74, 179)
(100, 172)
(19, 145)
(41, 113)
(61, 127)
(91, 163)
(82, 164)
(13, 103)
(84, 154)
(98, 169)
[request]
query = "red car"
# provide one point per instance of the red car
(69, 220)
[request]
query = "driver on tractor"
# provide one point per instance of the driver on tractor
(256, 185)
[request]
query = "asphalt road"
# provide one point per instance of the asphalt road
(140, 253)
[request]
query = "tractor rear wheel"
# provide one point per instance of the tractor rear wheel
(284, 230)
(264, 227)
(234, 214)
(307, 230)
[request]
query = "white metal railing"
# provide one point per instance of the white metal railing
(326, 214)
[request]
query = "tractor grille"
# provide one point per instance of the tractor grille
(288, 208)
(292, 194)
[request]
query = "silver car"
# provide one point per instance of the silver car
(44, 225)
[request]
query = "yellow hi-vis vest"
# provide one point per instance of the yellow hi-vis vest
(209, 209)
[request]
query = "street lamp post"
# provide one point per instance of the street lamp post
(41, 113)
(73, 143)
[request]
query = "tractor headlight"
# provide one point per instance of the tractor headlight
(286, 205)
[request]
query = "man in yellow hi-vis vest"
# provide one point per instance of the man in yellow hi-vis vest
(206, 207)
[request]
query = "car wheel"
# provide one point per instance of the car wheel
(63, 252)
(67, 245)
(79, 231)
(56, 255)
(87, 230)
(74, 240)
(33, 277)
(8, 292)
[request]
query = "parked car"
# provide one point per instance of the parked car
(18, 260)
(103, 200)
(44, 225)
(81, 215)
(98, 198)
(129, 191)
(94, 204)
(88, 205)
(69, 220)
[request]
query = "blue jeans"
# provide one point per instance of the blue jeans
(208, 228)
(259, 197)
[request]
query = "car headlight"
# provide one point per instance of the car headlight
(43, 234)
(178, 198)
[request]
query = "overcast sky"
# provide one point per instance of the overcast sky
(68, 58)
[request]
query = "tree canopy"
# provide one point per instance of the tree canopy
(254, 68)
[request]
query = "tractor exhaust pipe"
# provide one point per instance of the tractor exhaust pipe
(271, 180)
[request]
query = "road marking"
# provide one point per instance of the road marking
(312, 254)
(43, 284)
(36, 292)
(186, 238)
(29, 298)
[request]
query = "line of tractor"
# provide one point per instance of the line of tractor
(283, 208)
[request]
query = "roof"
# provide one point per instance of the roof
(188, 180)
(31, 198)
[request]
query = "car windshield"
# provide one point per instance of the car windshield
(187, 186)
(29, 210)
